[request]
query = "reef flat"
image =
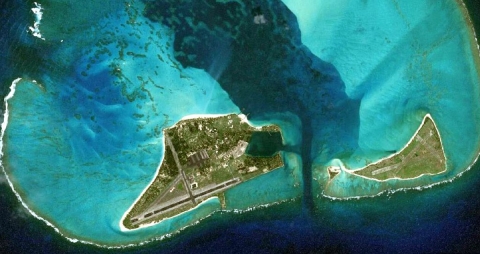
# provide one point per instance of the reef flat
(347, 82)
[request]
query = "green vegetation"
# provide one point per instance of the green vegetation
(211, 159)
(424, 155)
(168, 173)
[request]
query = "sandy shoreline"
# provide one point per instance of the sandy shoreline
(475, 47)
(153, 223)
(5, 122)
(4, 125)
(201, 116)
(243, 118)
(352, 171)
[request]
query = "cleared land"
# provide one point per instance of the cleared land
(423, 155)
(203, 158)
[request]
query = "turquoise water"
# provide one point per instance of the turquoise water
(91, 146)
(401, 65)
(96, 138)
(85, 140)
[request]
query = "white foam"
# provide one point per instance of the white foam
(154, 223)
(243, 118)
(5, 115)
(427, 116)
(391, 191)
(37, 10)
(4, 127)
(470, 23)
(418, 188)
(202, 116)
(257, 207)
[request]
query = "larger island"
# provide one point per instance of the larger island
(204, 157)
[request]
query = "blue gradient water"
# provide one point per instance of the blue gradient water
(85, 140)
(402, 65)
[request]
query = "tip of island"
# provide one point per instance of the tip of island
(205, 156)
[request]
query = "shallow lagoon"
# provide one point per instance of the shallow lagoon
(96, 143)
(402, 64)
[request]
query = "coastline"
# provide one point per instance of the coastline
(121, 227)
(391, 191)
(199, 116)
(153, 223)
(243, 118)
(20, 199)
(474, 45)
(352, 171)
(475, 48)
(4, 125)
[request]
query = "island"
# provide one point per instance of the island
(422, 155)
(204, 157)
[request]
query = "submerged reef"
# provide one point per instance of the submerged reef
(348, 84)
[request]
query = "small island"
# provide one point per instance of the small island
(422, 156)
(203, 158)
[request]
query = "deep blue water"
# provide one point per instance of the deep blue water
(450, 222)
(444, 218)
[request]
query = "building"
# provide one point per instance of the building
(193, 185)
(198, 159)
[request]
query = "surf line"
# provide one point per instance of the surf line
(476, 55)
(392, 191)
(37, 10)
(243, 118)
(2, 134)
(19, 198)
(4, 125)
(466, 15)
(427, 116)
